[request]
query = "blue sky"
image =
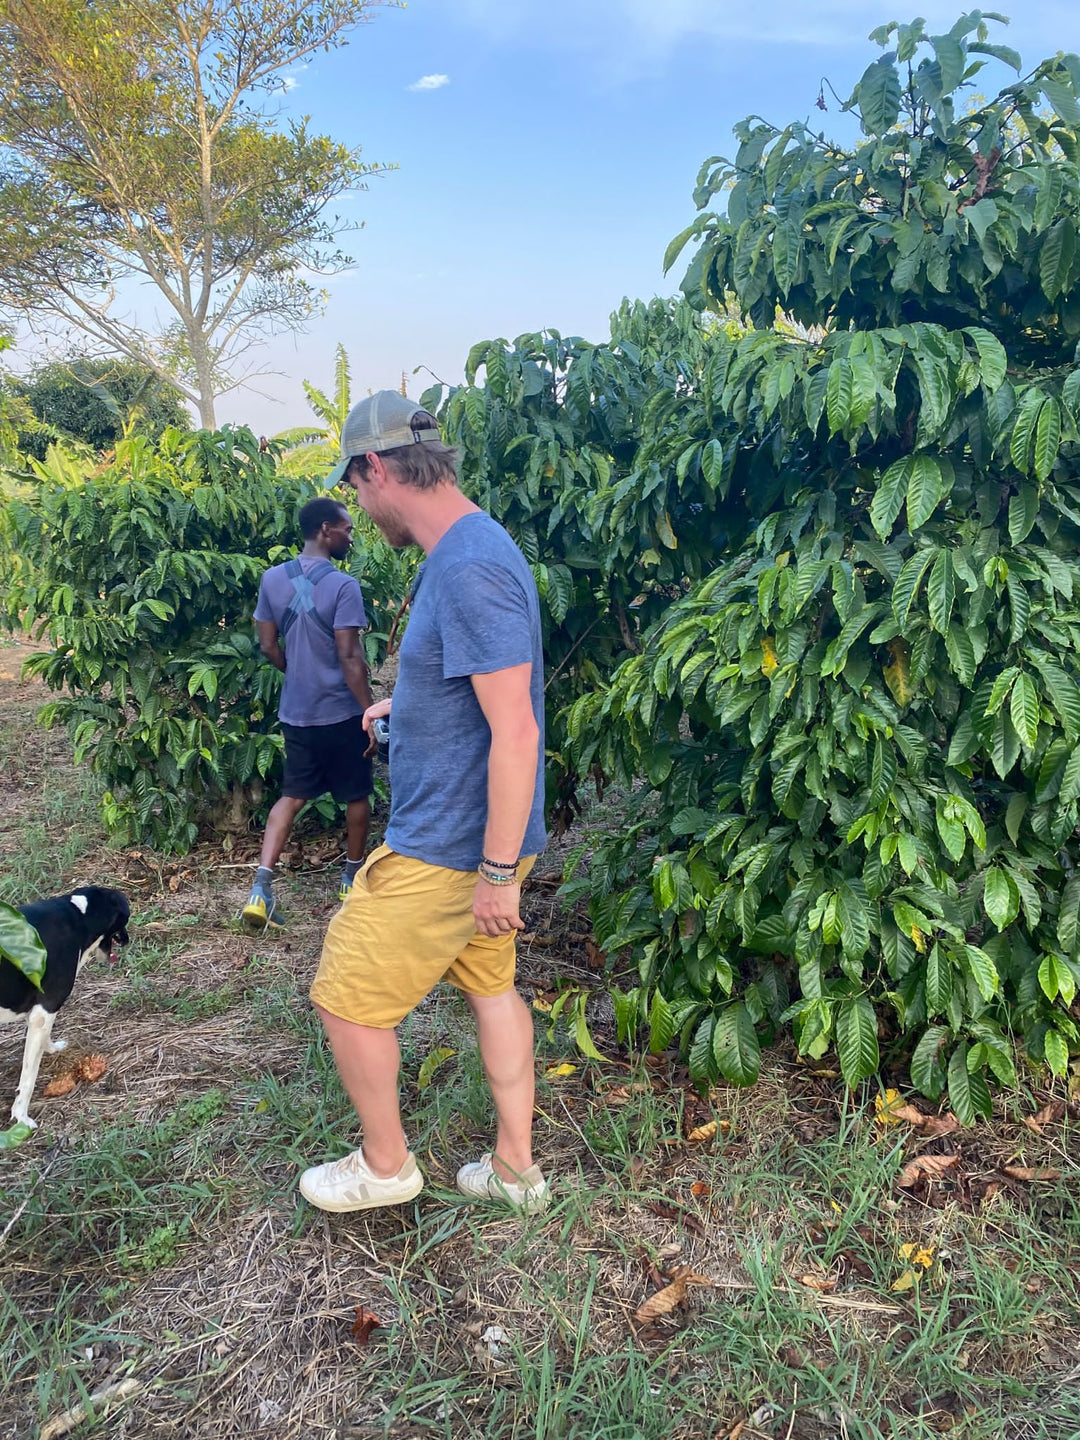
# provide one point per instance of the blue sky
(540, 182)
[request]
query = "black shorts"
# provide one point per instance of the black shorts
(327, 757)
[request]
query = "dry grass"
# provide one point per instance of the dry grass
(153, 1231)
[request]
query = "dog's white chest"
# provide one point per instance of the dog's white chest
(8, 1017)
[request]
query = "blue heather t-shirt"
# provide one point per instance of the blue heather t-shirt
(315, 692)
(474, 610)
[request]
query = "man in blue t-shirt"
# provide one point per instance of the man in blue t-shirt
(309, 617)
(441, 898)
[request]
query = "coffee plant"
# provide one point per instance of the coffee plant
(850, 726)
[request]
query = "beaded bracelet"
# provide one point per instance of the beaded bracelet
(495, 879)
(498, 864)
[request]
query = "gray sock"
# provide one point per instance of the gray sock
(264, 879)
(351, 868)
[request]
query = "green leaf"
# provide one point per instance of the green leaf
(1047, 438)
(941, 593)
(968, 1092)
(992, 358)
(22, 945)
(1022, 439)
(712, 464)
(927, 1071)
(939, 981)
(582, 1036)
(1056, 258)
(14, 1135)
(1056, 1050)
(878, 96)
(1070, 780)
(983, 971)
(856, 1039)
(1055, 978)
(1024, 710)
(907, 584)
(662, 1024)
(925, 489)
(854, 922)
(889, 496)
(952, 833)
(735, 1045)
(1068, 920)
(1001, 898)
(1023, 508)
(838, 394)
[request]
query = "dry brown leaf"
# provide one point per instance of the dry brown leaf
(823, 1284)
(1046, 1116)
(662, 1303)
(363, 1324)
(1028, 1172)
(701, 1190)
(704, 1132)
(935, 1125)
(928, 1167)
(63, 1084)
(690, 1277)
(892, 1113)
(91, 1068)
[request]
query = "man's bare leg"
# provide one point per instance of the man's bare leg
(357, 822)
(279, 824)
(368, 1060)
(507, 1039)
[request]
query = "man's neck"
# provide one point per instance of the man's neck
(442, 507)
(315, 550)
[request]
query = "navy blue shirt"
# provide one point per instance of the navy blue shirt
(475, 610)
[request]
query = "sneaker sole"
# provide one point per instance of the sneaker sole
(343, 1207)
(529, 1205)
(258, 921)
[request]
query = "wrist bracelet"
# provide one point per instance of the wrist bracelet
(495, 879)
(498, 864)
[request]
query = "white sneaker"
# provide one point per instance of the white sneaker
(348, 1184)
(479, 1182)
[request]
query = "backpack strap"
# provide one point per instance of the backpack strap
(304, 584)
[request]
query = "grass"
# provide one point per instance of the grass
(151, 1230)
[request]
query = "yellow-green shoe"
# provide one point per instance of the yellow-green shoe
(261, 912)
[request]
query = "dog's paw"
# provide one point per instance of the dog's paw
(23, 1120)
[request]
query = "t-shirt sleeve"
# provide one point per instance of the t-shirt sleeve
(483, 620)
(349, 610)
(263, 610)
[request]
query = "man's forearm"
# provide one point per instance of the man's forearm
(511, 786)
(358, 680)
(275, 655)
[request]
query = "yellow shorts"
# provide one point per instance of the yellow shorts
(405, 926)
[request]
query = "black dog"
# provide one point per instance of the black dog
(72, 929)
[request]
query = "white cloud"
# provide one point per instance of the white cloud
(430, 82)
(289, 82)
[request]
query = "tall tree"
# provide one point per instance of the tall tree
(138, 146)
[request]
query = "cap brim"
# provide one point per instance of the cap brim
(337, 474)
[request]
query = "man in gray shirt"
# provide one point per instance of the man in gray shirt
(318, 611)
(441, 898)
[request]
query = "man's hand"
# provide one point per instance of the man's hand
(496, 909)
(374, 712)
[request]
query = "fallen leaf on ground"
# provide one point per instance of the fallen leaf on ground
(886, 1107)
(670, 1297)
(1046, 1116)
(62, 1084)
(700, 1189)
(91, 1068)
(364, 1323)
(927, 1167)
(1028, 1172)
(662, 1303)
(684, 1217)
(431, 1064)
(917, 1254)
(823, 1284)
(907, 1281)
(889, 1111)
(704, 1132)
(559, 1072)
